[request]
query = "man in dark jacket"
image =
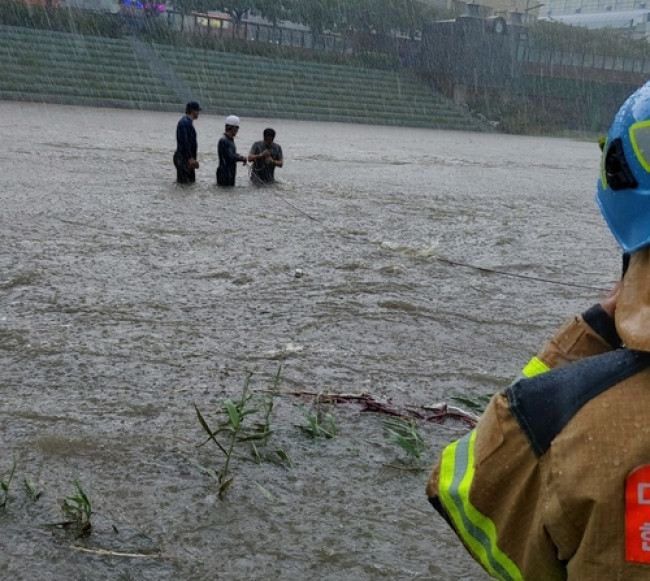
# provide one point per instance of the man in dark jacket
(228, 156)
(186, 145)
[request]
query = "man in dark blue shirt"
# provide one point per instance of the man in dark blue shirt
(228, 156)
(186, 145)
(266, 156)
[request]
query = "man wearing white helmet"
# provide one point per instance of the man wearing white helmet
(554, 481)
(228, 156)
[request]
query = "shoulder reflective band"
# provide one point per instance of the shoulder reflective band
(637, 515)
(475, 529)
(534, 367)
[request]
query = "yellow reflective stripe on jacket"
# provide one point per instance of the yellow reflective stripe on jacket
(534, 367)
(475, 529)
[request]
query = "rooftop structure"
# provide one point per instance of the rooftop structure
(512, 11)
(631, 22)
(554, 8)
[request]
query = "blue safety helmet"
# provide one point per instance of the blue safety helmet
(624, 184)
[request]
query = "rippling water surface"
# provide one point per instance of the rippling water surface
(126, 301)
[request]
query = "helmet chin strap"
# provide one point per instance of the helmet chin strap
(633, 304)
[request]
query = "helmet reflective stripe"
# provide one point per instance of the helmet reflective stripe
(640, 139)
(475, 529)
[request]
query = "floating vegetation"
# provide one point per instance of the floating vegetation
(4, 486)
(405, 434)
(33, 492)
(437, 412)
(319, 424)
(79, 509)
(247, 420)
(237, 426)
(478, 405)
(270, 497)
(284, 458)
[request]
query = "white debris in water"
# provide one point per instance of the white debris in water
(292, 348)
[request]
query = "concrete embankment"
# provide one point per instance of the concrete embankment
(55, 67)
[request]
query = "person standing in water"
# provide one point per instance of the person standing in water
(228, 156)
(266, 156)
(186, 145)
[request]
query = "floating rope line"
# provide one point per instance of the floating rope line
(272, 190)
(287, 202)
(523, 276)
(470, 266)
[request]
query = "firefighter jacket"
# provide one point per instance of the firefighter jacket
(554, 481)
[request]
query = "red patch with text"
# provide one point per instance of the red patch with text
(637, 515)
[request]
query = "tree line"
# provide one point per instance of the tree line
(336, 16)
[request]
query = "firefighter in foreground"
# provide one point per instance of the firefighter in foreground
(554, 481)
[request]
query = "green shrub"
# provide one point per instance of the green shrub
(556, 36)
(15, 13)
(160, 33)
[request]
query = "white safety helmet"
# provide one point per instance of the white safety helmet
(232, 120)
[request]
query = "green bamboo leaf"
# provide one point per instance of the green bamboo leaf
(30, 486)
(225, 486)
(276, 381)
(233, 413)
(248, 436)
(284, 457)
(82, 494)
(209, 471)
(477, 405)
(256, 452)
(203, 423)
(266, 493)
(211, 434)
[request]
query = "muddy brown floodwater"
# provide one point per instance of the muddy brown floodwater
(126, 301)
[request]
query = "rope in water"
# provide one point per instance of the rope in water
(522, 276)
(472, 266)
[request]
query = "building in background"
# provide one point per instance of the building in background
(511, 11)
(129, 7)
(634, 24)
(109, 6)
(44, 3)
(555, 8)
